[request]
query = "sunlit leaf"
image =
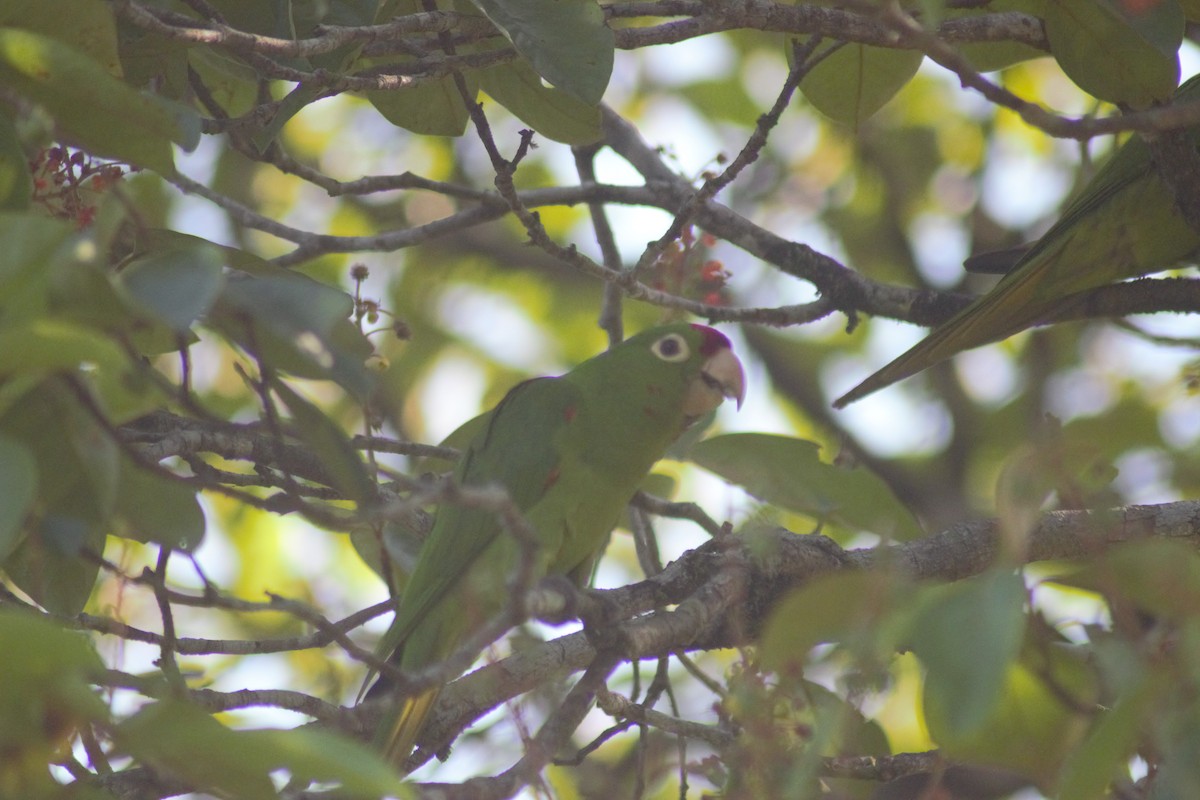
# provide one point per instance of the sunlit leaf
(1119, 55)
(86, 25)
(857, 80)
(47, 346)
(788, 472)
(968, 635)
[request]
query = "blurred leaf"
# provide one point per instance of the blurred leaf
(1115, 52)
(152, 508)
(76, 480)
(550, 111)
(1039, 721)
(1104, 754)
(86, 25)
(182, 741)
(177, 285)
(723, 100)
(329, 443)
(151, 60)
(232, 84)
(1054, 462)
(48, 346)
(45, 687)
(18, 484)
(33, 247)
(566, 41)
(357, 769)
(787, 472)
(857, 80)
(832, 608)
(100, 112)
(1160, 576)
(16, 183)
(50, 564)
(967, 636)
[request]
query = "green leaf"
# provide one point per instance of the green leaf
(430, 108)
(1039, 721)
(85, 25)
(1160, 576)
(45, 687)
(50, 564)
(787, 472)
(176, 285)
(33, 247)
(181, 740)
(832, 608)
(49, 346)
(76, 479)
(153, 508)
(295, 324)
(1105, 753)
(967, 635)
(329, 444)
(16, 182)
(325, 757)
(1118, 55)
(100, 112)
(549, 110)
(995, 56)
(18, 484)
(230, 82)
(566, 41)
(857, 80)
(184, 741)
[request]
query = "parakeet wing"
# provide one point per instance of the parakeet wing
(516, 451)
(1124, 223)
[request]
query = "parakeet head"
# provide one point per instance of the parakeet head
(677, 372)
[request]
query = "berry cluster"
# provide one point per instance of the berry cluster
(684, 270)
(64, 181)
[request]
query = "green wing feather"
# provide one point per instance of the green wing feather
(1124, 223)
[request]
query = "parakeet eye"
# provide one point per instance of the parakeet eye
(671, 347)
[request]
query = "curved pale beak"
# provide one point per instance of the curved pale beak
(721, 376)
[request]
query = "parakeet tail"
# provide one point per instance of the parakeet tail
(397, 740)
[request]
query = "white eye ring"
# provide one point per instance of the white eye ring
(672, 347)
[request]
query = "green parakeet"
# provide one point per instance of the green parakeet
(1123, 223)
(570, 451)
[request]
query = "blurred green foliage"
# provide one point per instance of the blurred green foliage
(316, 268)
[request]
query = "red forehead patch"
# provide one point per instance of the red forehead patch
(711, 340)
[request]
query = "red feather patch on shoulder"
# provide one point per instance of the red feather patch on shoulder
(711, 340)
